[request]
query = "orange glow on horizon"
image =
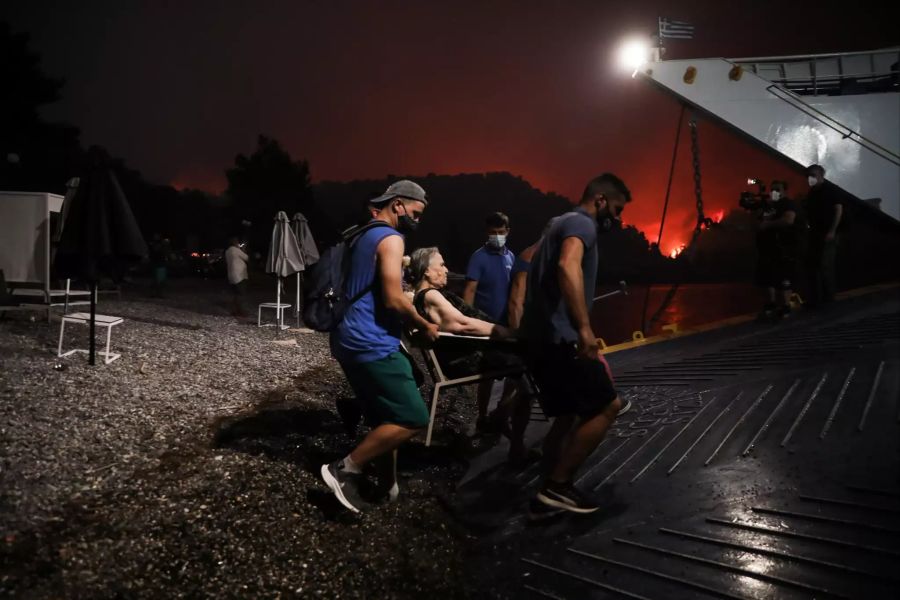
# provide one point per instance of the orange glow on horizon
(678, 249)
(205, 182)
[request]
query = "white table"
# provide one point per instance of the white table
(85, 318)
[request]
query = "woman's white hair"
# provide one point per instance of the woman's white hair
(418, 264)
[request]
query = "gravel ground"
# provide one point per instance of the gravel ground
(189, 467)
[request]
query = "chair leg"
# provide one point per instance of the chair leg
(62, 329)
(108, 336)
(434, 400)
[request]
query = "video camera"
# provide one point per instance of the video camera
(753, 201)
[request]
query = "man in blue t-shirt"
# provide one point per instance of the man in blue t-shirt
(487, 289)
(576, 387)
(367, 343)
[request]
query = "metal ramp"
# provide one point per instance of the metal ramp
(838, 110)
(771, 470)
(784, 486)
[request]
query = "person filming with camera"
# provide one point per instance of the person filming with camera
(777, 246)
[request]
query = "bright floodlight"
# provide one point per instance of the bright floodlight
(633, 54)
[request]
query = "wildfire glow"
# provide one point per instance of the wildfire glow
(720, 214)
(676, 251)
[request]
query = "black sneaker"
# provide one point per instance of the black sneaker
(626, 406)
(489, 425)
(344, 485)
(538, 511)
(566, 497)
(767, 313)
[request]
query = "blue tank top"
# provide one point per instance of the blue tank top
(369, 331)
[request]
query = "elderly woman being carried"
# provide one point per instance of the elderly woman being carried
(463, 356)
(427, 273)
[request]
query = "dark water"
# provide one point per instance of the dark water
(615, 319)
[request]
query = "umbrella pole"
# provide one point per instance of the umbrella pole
(278, 312)
(297, 303)
(93, 343)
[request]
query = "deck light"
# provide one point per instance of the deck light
(634, 54)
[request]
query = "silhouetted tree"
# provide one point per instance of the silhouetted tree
(34, 155)
(266, 182)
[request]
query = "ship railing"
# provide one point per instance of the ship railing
(830, 74)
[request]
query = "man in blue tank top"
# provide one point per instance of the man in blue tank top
(367, 343)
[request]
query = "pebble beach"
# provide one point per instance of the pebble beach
(189, 467)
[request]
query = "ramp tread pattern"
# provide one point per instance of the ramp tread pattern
(781, 485)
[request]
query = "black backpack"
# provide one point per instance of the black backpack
(325, 299)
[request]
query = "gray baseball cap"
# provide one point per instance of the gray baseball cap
(404, 189)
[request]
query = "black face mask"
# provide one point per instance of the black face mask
(605, 220)
(406, 224)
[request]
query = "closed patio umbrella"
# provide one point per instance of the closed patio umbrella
(284, 256)
(308, 253)
(100, 236)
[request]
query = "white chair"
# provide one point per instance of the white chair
(279, 308)
(443, 382)
(85, 318)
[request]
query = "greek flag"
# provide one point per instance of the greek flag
(678, 30)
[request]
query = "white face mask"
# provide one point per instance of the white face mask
(812, 180)
(496, 241)
(776, 195)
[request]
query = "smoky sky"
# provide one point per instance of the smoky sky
(368, 89)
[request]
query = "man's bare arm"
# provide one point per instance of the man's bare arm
(838, 215)
(449, 319)
(571, 285)
(516, 305)
(469, 292)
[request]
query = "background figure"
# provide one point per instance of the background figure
(487, 289)
(159, 261)
(825, 211)
(776, 242)
(236, 262)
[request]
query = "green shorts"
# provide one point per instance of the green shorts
(387, 391)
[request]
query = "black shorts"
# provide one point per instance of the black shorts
(239, 288)
(570, 384)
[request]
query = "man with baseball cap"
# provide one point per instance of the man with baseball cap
(367, 342)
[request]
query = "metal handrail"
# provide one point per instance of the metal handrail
(808, 57)
(812, 61)
(835, 77)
